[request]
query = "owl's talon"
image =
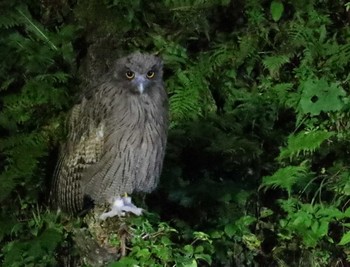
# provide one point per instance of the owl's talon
(121, 205)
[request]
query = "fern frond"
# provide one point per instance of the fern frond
(185, 5)
(5, 85)
(298, 34)
(173, 54)
(339, 56)
(9, 19)
(185, 101)
(222, 54)
(286, 178)
(304, 142)
(20, 165)
(247, 48)
(58, 77)
(35, 28)
(283, 94)
(274, 63)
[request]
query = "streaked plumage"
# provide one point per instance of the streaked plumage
(116, 136)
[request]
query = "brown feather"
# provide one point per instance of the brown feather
(116, 138)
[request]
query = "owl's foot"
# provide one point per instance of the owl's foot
(121, 205)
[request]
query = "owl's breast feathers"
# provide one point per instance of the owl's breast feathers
(115, 145)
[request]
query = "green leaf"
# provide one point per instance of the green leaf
(189, 250)
(276, 10)
(323, 228)
(199, 249)
(204, 257)
(124, 262)
(345, 239)
(201, 236)
(265, 212)
(50, 238)
(216, 234)
(347, 212)
(230, 229)
(251, 241)
(320, 96)
(193, 263)
(143, 253)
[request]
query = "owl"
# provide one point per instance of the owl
(116, 138)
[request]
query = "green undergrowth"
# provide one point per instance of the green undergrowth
(257, 166)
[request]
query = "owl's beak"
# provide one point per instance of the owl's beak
(141, 88)
(140, 81)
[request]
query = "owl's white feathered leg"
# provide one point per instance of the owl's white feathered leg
(120, 205)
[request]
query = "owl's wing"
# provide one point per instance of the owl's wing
(82, 149)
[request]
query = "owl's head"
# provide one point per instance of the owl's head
(139, 73)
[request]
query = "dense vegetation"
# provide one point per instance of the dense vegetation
(257, 171)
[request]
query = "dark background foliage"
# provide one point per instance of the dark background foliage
(257, 164)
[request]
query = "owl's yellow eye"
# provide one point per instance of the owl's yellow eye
(130, 75)
(150, 74)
